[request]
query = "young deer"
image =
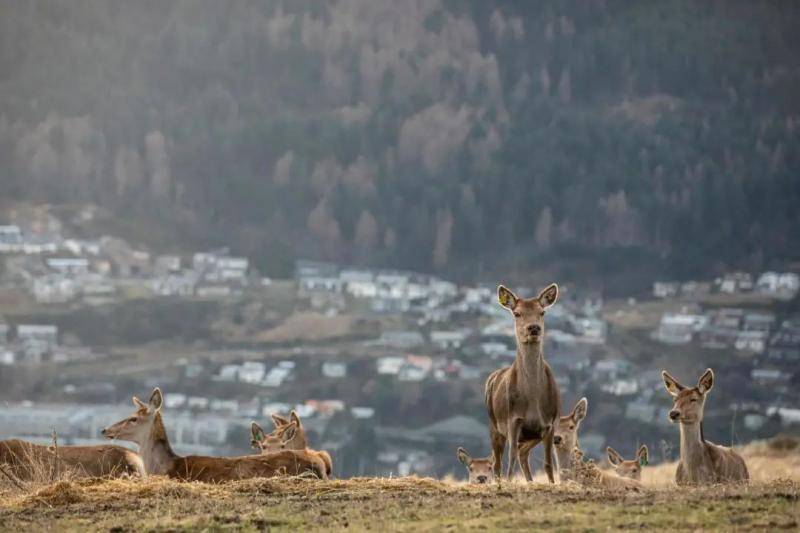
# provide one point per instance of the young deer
(522, 399)
(146, 429)
(565, 439)
(628, 469)
(26, 459)
(287, 435)
(481, 471)
(701, 461)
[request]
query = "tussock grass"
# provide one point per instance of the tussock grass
(406, 503)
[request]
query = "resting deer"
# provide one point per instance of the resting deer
(702, 462)
(146, 429)
(522, 399)
(481, 471)
(26, 459)
(287, 435)
(565, 439)
(628, 469)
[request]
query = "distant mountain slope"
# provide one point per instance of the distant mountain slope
(460, 136)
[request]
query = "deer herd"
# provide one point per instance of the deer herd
(524, 410)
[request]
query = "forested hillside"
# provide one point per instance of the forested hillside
(583, 137)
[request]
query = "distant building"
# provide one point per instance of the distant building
(334, 369)
(68, 266)
(448, 340)
(10, 239)
(402, 340)
(785, 343)
(665, 289)
(752, 341)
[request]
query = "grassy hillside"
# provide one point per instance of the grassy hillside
(406, 504)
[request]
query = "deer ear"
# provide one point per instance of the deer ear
(139, 403)
(294, 418)
(463, 456)
(706, 381)
(256, 432)
(278, 420)
(642, 455)
(156, 401)
(613, 457)
(506, 298)
(548, 296)
(289, 433)
(579, 412)
(672, 385)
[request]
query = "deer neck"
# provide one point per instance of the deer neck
(564, 459)
(156, 452)
(693, 446)
(530, 361)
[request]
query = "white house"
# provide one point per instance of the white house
(448, 340)
(68, 266)
(252, 372)
(751, 341)
(334, 369)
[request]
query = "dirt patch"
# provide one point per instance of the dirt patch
(308, 326)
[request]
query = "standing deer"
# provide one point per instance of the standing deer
(522, 399)
(565, 438)
(287, 435)
(146, 429)
(628, 469)
(29, 461)
(481, 471)
(702, 462)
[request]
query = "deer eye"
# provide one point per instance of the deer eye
(516, 314)
(542, 313)
(572, 427)
(693, 400)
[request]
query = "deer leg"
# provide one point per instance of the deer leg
(498, 445)
(548, 455)
(524, 457)
(514, 429)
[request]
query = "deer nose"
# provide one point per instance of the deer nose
(481, 479)
(557, 440)
(674, 414)
(534, 329)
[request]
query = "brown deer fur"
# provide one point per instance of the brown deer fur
(702, 462)
(522, 399)
(26, 458)
(285, 437)
(146, 429)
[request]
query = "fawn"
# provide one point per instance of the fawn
(566, 437)
(287, 435)
(481, 471)
(628, 469)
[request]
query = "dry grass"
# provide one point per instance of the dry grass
(310, 327)
(771, 501)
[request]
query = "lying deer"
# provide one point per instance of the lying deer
(628, 469)
(522, 399)
(589, 475)
(26, 459)
(565, 439)
(702, 462)
(481, 471)
(287, 435)
(146, 429)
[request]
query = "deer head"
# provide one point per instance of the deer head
(630, 469)
(137, 427)
(481, 471)
(566, 432)
(279, 439)
(688, 403)
(528, 313)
